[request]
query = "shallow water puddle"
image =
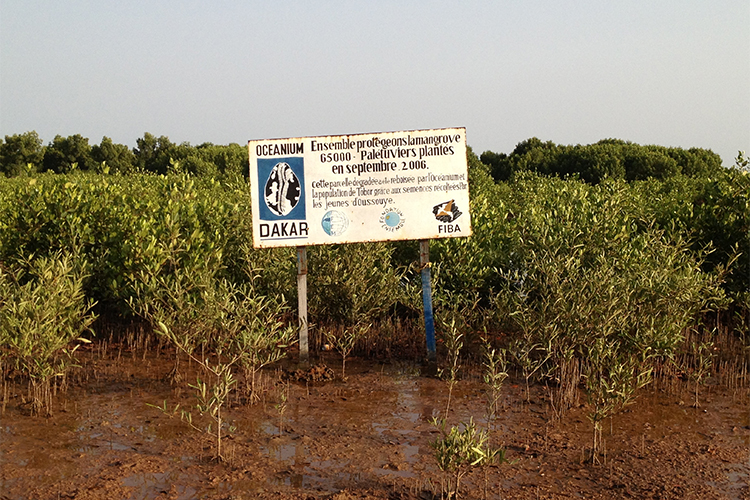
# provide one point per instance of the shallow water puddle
(371, 432)
(310, 479)
(294, 453)
(149, 486)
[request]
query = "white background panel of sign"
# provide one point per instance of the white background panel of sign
(409, 185)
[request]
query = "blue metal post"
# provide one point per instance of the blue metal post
(429, 321)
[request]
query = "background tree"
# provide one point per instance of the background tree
(20, 150)
(116, 157)
(152, 154)
(65, 154)
(211, 160)
(592, 163)
(644, 163)
(499, 165)
(606, 159)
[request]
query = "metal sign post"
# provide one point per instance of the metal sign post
(429, 322)
(304, 355)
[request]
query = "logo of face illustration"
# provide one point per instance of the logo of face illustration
(282, 190)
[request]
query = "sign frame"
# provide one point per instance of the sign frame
(387, 186)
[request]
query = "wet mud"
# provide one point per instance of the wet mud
(364, 437)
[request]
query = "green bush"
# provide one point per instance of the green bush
(131, 226)
(43, 312)
(607, 159)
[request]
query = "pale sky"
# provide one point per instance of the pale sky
(673, 73)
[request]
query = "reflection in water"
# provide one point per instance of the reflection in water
(295, 480)
(309, 479)
(427, 402)
(295, 453)
(152, 485)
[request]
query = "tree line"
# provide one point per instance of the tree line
(26, 153)
(606, 159)
(592, 163)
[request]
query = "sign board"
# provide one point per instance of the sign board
(410, 185)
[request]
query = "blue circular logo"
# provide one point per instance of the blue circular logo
(334, 223)
(392, 219)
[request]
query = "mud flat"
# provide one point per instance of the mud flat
(366, 437)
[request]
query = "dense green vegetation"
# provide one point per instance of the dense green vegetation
(26, 153)
(591, 275)
(607, 159)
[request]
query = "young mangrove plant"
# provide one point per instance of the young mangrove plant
(531, 357)
(281, 405)
(258, 335)
(211, 398)
(212, 391)
(217, 325)
(612, 378)
(43, 314)
(453, 339)
(495, 373)
(461, 448)
(703, 363)
(345, 341)
(353, 285)
(186, 302)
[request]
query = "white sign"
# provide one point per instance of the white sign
(410, 185)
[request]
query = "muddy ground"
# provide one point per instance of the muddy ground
(365, 437)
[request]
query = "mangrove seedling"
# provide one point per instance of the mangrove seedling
(461, 448)
(495, 373)
(703, 363)
(43, 313)
(344, 343)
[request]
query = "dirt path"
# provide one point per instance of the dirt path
(367, 437)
